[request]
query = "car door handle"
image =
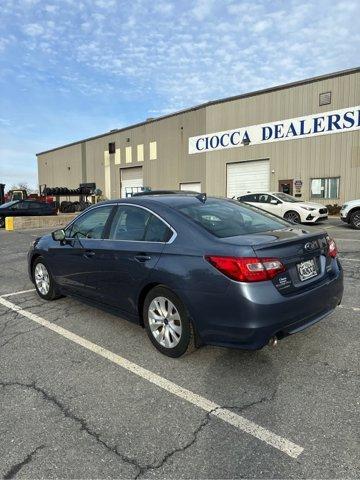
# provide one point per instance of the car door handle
(142, 257)
(88, 254)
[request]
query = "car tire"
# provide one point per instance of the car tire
(355, 220)
(168, 323)
(292, 216)
(2, 222)
(43, 280)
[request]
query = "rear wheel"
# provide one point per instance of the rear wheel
(292, 216)
(355, 220)
(167, 322)
(43, 280)
(2, 222)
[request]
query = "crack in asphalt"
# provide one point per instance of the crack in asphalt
(141, 469)
(18, 466)
(72, 416)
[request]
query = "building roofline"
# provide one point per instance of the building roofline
(212, 102)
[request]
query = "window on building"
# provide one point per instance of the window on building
(153, 150)
(128, 154)
(325, 98)
(112, 148)
(117, 156)
(325, 187)
(140, 153)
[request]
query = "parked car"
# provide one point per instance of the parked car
(286, 206)
(350, 213)
(21, 208)
(185, 266)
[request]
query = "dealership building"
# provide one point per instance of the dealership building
(302, 138)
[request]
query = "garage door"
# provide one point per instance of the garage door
(193, 186)
(247, 177)
(131, 181)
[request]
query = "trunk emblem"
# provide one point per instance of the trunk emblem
(310, 246)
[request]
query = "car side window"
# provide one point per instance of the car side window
(91, 224)
(137, 224)
(20, 206)
(249, 198)
(265, 198)
(157, 231)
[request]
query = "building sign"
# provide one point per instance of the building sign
(337, 121)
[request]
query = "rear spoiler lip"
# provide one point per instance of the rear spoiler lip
(304, 238)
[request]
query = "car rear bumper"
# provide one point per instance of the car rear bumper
(249, 315)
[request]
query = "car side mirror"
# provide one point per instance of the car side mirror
(274, 202)
(59, 235)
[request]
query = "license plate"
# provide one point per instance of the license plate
(307, 270)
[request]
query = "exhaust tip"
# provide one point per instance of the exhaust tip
(273, 342)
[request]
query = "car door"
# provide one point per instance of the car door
(270, 204)
(73, 261)
(19, 209)
(136, 239)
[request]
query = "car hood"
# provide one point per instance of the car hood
(352, 202)
(308, 204)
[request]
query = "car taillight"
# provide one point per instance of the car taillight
(247, 269)
(332, 248)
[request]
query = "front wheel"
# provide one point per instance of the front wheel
(292, 216)
(167, 322)
(355, 220)
(43, 280)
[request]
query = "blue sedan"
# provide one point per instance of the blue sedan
(192, 270)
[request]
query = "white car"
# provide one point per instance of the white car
(286, 206)
(350, 213)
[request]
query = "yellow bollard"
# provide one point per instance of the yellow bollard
(9, 224)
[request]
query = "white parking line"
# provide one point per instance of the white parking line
(17, 293)
(232, 418)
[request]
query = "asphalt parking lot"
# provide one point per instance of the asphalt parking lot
(83, 394)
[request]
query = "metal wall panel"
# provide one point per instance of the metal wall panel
(322, 156)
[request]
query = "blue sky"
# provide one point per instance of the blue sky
(74, 68)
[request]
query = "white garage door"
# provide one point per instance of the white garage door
(247, 177)
(131, 181)
(193, 186)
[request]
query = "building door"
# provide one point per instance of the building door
(247, 177)
(131, 181)
(286, 186)
(192, 186)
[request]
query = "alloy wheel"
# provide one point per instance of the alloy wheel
(355, 219)
(164, 322)
(42, 279)
(292, 217)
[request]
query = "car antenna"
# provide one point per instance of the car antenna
(202, 197)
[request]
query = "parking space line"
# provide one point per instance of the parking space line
(17, 293)
(232, 418)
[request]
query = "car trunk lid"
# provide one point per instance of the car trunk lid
(304, 255)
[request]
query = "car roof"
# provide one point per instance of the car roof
(261, 192)
(169, 199)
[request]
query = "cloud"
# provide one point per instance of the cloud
(139, 58)
(33, 29)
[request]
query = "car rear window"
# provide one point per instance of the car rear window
(227, 218)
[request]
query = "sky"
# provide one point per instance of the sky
(71, 69)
